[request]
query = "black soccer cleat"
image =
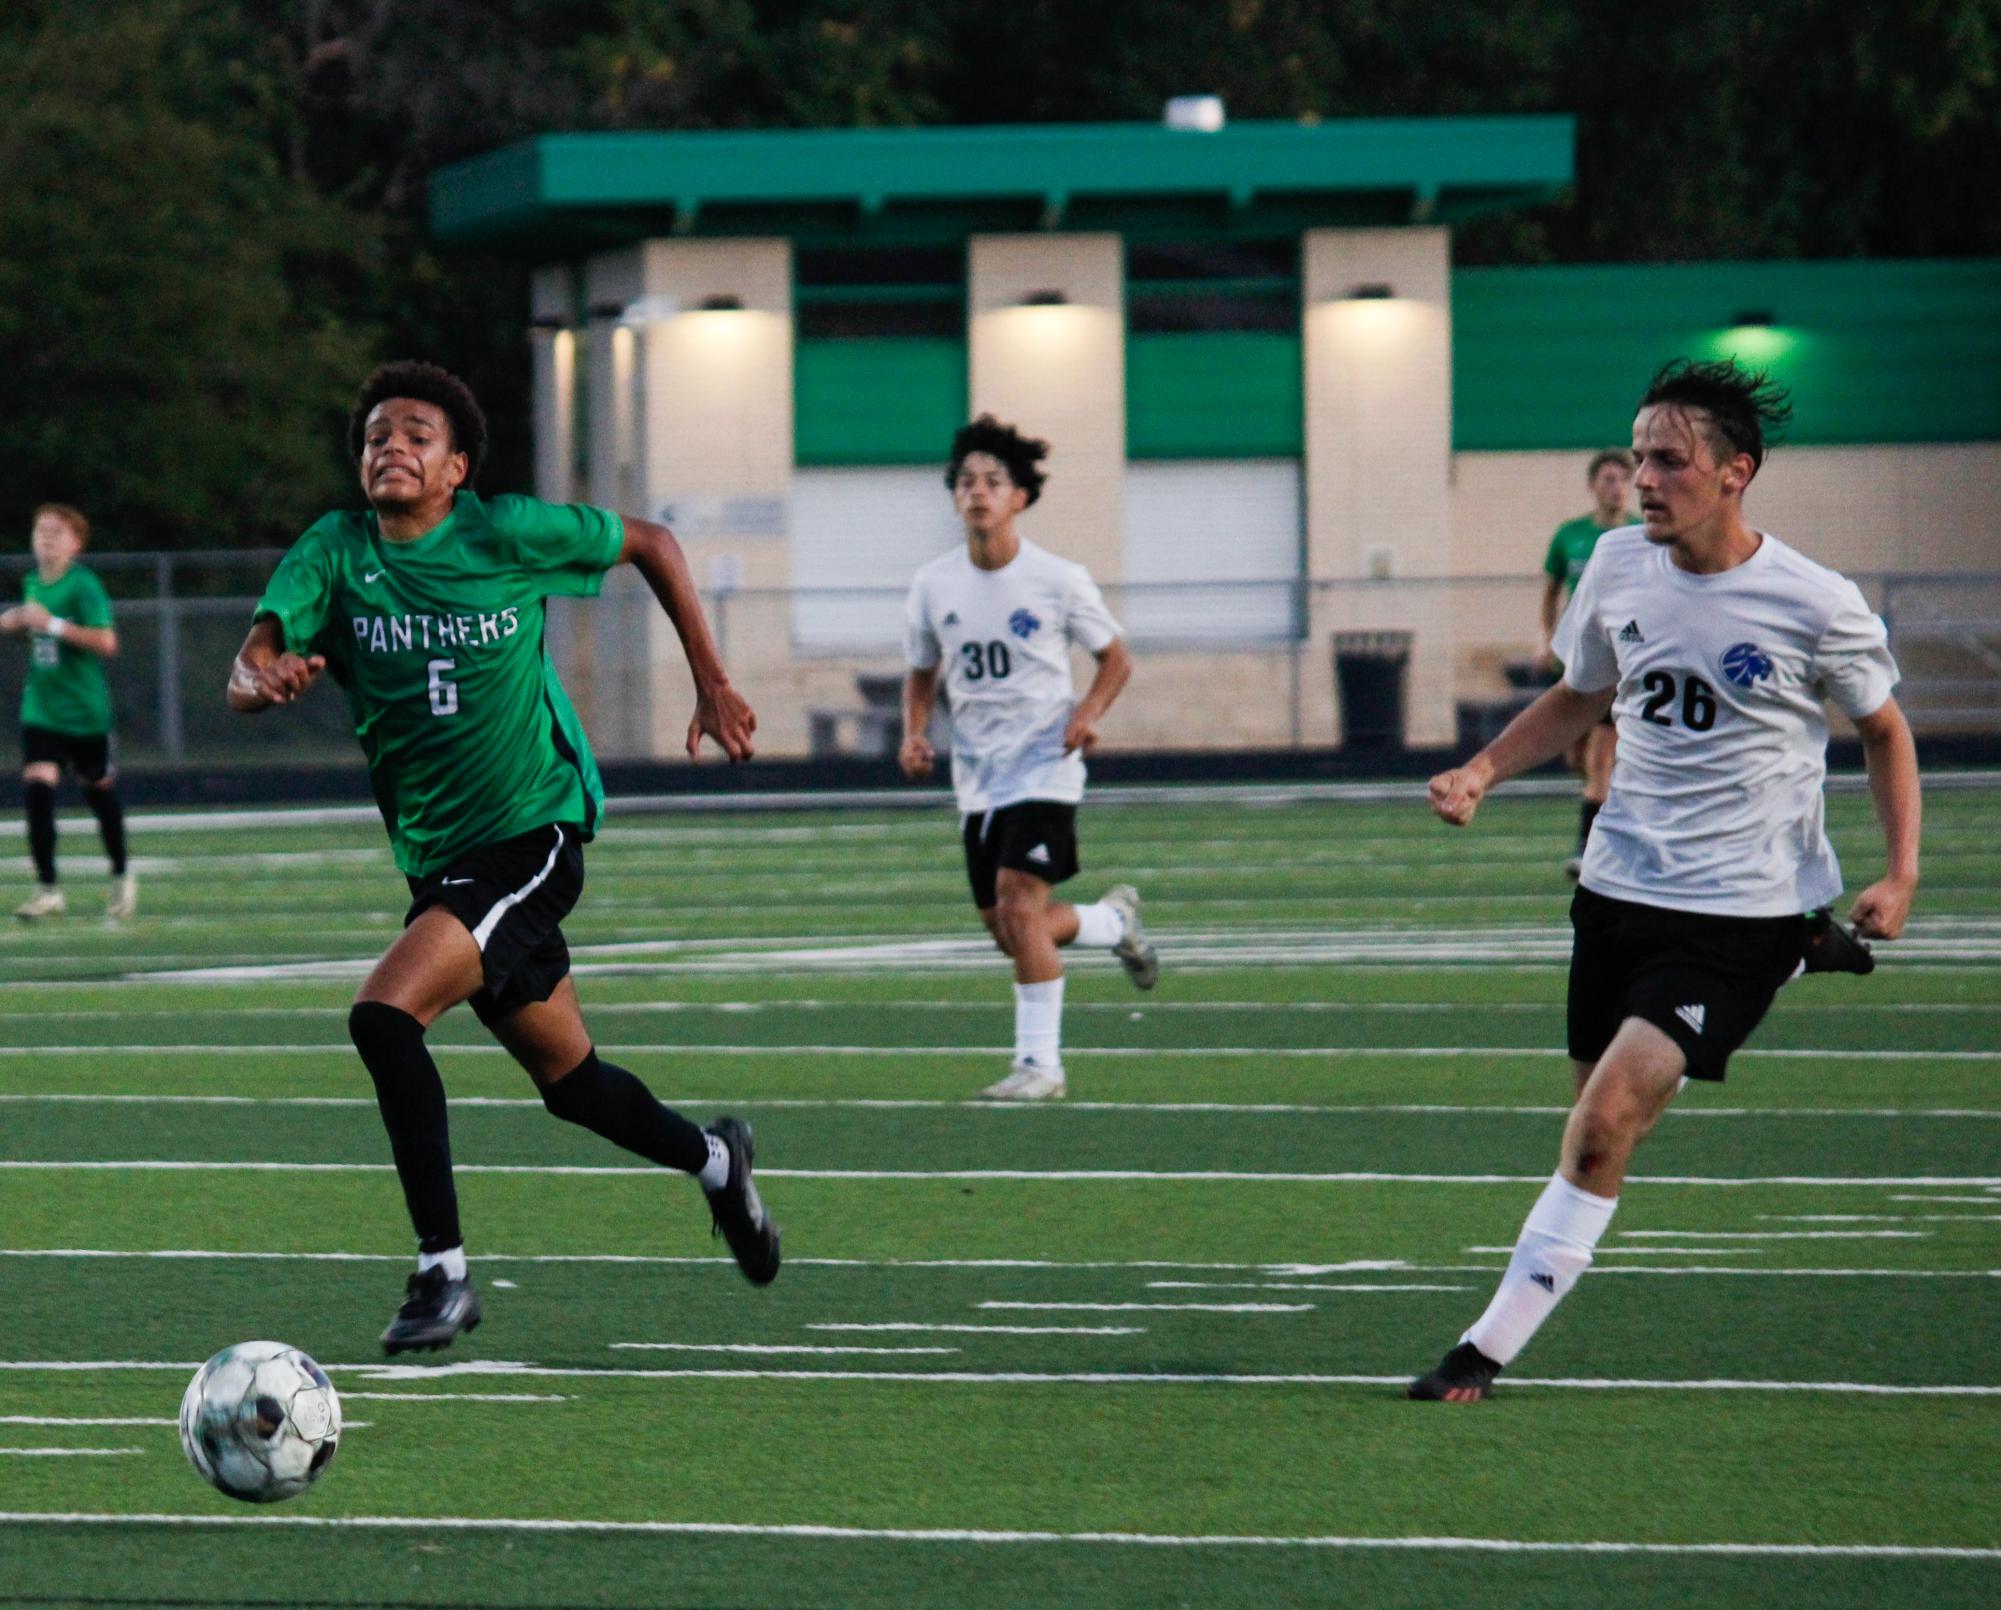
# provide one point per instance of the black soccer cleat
(435, 1309)
(1464, 1370)
(1832, 948)
(738, 1211)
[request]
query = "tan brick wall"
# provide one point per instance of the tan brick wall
(1378, 400)
(1057, 373)
(1917, 507)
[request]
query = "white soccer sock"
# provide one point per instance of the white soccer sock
(1554, 1249)
(452, 1260)
(1038, 1024)
(715, 1173)
(1100, 926)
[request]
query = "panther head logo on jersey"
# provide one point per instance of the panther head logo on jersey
(1023, 624)
(1746, 664)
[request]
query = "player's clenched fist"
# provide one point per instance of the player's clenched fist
(282, 680)
(915, 755)
(1456, 794)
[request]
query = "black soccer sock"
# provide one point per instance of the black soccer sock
(42, 830)
(411, 1097)
(1587, 813)
(607, 1100)
(103, 803)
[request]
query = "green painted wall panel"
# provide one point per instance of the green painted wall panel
(1873, 351)
(1214, 394)
(889, 400)
(1543, 358)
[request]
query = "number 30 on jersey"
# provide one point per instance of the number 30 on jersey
(986, 660)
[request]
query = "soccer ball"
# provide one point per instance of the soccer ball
(260, 1422)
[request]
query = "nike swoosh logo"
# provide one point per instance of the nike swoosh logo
(369, 576)
(445, 882)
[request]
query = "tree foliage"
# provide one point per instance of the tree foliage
(213, 217)
(167, 360)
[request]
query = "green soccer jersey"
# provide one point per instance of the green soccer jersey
(66, 690)
(438, 643)
(1570, 549)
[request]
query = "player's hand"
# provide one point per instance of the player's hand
(1080, 734)
(726, 716)
(916, 756)
(1456, 795)
(31, 616)
(1881, 910)
(10, 620)
(282, 680)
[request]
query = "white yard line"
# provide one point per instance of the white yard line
(931, 1006)
(82, 1420)
(726, 1264)
(1137, 1308)
(68, 1453)
(1285, 1285)
(451, 1397)
(533, 1104)
(991, 1330)
(1649, 1252)
(1024, 1175)
(866, 1534)
(763, 1347)
(1781, 1235)
(376, 1370)
(1070, 1053)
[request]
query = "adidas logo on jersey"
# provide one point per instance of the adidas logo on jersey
(1547, 1282)
(951, 618)
(1039, 855)
(1692, 1016)
(1631, 633)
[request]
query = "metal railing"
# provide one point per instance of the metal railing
(1244, 661)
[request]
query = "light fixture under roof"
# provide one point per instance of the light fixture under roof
(1756, 318)
(1194, 114)
(1373, 291)
(724, 303)
(1045, 299)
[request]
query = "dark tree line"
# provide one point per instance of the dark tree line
(211, 211)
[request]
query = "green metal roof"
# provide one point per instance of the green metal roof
(560, 195)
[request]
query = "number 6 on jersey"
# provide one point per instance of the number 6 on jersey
(444, 695)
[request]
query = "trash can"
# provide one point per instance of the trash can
(1369, 685)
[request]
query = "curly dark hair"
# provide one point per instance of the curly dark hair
(427, 383)
(1023, 455)
(1746, 408)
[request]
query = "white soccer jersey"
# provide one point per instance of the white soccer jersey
(1716, 799)
(1003, 637)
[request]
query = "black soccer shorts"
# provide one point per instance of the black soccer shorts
(1037, 836)
(88, 757)
(512, 897)
(1704, 981)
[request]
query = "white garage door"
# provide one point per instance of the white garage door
(1212, 550)
(858, 536)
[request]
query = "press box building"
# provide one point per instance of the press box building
(1277, 410)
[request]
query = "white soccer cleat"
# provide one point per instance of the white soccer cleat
(123, 905)
(46, 901)
(1026, 1082)
(1136, 953)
